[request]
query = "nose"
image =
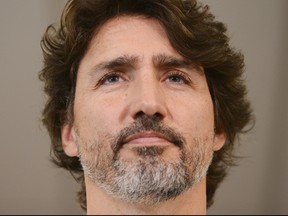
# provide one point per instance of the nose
(148, 98)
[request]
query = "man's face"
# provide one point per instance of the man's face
(143, 115)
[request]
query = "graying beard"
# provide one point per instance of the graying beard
(149, 182)
(151, 151)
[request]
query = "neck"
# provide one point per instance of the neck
(191, 202)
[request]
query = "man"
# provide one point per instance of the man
(145, 100)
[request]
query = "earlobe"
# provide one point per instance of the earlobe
(219, 141)
(68, 137)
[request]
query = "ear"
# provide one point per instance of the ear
(219, 141)
(68, 137)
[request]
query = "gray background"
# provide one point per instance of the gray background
(30, 184)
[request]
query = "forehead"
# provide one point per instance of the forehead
(122, 24)
(129, 22)
(126, 32)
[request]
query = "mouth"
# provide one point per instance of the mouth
(147, 139)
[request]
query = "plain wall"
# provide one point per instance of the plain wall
(31, 184)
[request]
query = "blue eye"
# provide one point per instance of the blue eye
(176, 79)
(112, 79)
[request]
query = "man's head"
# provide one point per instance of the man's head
(148, 94)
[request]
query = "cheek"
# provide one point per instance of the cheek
(195, 117)
(95, 116)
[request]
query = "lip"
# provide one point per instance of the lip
(147, 138)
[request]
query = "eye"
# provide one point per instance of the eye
(177, 77)
(111, 78)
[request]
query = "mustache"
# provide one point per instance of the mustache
(147, 123)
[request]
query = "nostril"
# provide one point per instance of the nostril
(139, 114)
(156, 116)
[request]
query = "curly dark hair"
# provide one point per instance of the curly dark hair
(192, 31)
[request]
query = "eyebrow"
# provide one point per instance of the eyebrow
(121, 61)
(165, 61)
(131, 61)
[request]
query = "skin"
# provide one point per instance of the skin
(106, 102)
